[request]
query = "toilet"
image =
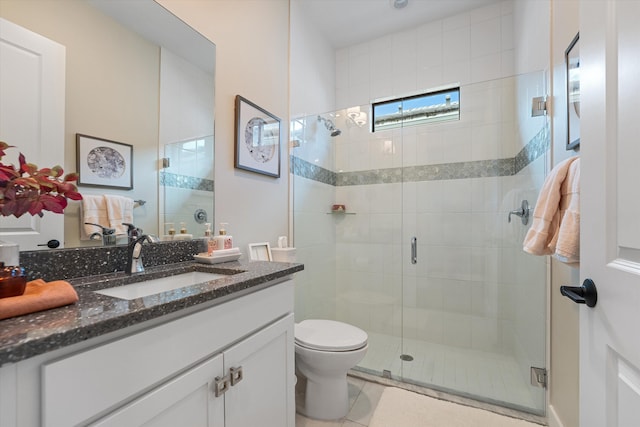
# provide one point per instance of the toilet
(325, 351)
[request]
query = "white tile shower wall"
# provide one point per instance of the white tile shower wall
(314, 232)
(467, 48)
(464, 285)
(184, 203)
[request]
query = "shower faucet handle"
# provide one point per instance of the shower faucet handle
(523, 213)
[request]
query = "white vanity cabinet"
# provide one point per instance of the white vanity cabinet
(169, 374)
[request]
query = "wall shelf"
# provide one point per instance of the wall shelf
(340, 213)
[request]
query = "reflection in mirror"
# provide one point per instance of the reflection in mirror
(135, 74)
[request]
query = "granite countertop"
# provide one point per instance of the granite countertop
(95, 314)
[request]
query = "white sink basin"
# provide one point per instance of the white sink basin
(156, 286)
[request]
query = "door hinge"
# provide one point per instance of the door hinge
(539, 106)
(539, 377)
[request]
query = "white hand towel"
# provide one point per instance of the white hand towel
(94, 210)
(556, 219)
(119, 210)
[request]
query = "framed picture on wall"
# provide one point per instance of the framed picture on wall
(572, 60)
(258, 136)
(260, 251)
(104, 163)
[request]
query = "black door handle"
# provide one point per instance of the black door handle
(585, 294)
(51, 244)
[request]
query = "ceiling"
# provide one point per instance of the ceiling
(348, 22)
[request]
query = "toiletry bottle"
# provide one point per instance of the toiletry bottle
(224, 240)
(170, 231)
(183, 228)
(212, 244)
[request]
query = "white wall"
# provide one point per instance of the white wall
(312, 81)
(563, 388)
(312, 67)
(252, 60)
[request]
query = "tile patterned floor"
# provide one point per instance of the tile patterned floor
(363, 400)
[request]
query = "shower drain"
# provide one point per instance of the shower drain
(406, 357)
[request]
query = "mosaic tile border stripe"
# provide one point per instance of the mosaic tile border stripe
(187, 182)
(310, 171)
(535, 148)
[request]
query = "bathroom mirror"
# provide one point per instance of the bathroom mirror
(135, 74)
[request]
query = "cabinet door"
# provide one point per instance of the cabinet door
(187, 400)
(265, 395)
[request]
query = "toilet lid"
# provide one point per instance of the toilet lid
(329, 335)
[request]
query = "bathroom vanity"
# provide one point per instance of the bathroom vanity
(218, 353)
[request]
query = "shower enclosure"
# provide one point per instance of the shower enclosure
(425, 256)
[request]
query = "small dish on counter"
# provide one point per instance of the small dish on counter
(223, 255)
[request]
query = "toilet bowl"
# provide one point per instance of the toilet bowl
(325, 351)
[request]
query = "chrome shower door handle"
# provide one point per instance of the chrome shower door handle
(414, 250)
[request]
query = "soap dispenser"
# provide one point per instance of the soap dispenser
(183, 235)
(224, 241)
(212, 244)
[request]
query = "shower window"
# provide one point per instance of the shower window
(436, 106)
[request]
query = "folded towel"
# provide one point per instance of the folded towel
(94, 210)
(119, 210)
(38, 295)
(555, 229)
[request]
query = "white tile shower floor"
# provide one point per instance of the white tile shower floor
(493, 376)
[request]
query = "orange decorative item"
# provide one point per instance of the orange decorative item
(38, 295)
(12, 281)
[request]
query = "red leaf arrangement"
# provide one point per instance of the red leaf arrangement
(27, 189)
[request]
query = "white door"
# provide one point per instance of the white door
(32, 100)
(610, 212)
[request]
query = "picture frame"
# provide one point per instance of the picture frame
(572, 62)
(258, 139)
(260, 252)
(104, 163)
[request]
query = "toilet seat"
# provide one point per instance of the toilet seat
(329, 335)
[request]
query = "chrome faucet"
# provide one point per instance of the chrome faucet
(132, 231)
(134, 254)
(106, 234)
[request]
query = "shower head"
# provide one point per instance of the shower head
(330, 126)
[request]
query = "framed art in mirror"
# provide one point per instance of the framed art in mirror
(257, 139)
(572, 61)
(104, 163)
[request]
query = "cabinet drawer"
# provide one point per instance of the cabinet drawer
(88, 384)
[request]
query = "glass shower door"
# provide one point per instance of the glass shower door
(465, 328)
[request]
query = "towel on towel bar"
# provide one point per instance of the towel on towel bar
(119, 210)
(94, 210)
(556, 218)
